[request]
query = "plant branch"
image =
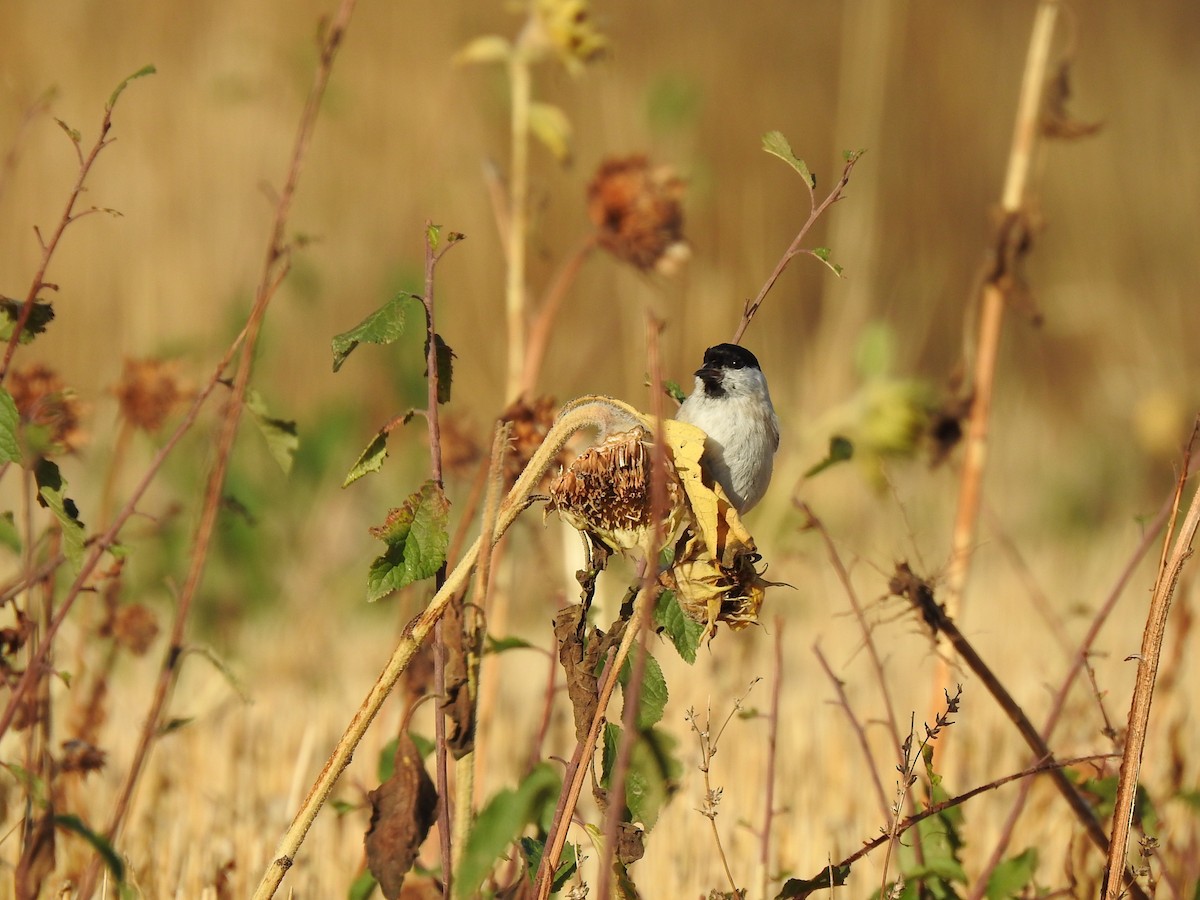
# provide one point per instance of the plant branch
(751, 307)
(1079, 662)
(275, 267)
(764, 853)
(1147, 671)
(521, 86)
(583, 413)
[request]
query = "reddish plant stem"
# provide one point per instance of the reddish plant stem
(1079, 662)
(641, 621)
(1143, 691)
(275, 268)
(543, 323)
(772, 747)
(48, 247)
(794, 249)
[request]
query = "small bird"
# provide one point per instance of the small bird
(732, 406)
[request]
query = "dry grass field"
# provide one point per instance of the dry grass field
(1097, 384)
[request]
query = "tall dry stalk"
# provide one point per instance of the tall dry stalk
(991, 317)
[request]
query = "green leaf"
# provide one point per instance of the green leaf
(551, 126)
(9, 536)
(175, 724)
(823, 253)
(799, 888)
(485, 49)
(416, 538)
(383, 326)
(683, 631)
(654, 693)
(777, 145)
(433, 235)
(10, 421)
(674, 391)
(282, 439)
(343, 807)
(101, 846)
(654, 771)
(363, 886)
(532, 849)
(504, 644)
(1012, 875)
(840, 450)
(41, 315)
(72, 133)
(31, 783)
(445, 367)
(52, 495)
(386, 766)
(371, 459)
(501, 822)
(120, 89)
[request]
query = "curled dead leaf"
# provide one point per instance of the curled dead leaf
(403, 809)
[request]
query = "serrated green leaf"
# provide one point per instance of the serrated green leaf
(433, 235)
(485, 49)
(683, 631)
(800, 888)
(654, 771)
(823, 253)
(417, 540)
(840, 450)
(551, 126)
(120, 89)
(674, 391)
(98, 842)
(445, 367)
(10, 421)
(1011, 876)
(282, 438)
(654, 693)
(777, 145)
(501, 822)
(40, 315)
(52, 495)
(371, 459)
(532, 849)
(383, 326)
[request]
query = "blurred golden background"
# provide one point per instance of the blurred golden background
(1092, 405)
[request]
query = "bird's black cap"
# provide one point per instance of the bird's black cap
(717, 360)
(729, 356)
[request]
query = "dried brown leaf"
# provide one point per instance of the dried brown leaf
(403, 809)
(37, 857)
(1057, 121)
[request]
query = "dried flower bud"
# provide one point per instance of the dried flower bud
(148, 391)
(45, 404)
(637, 213)
(135, 627)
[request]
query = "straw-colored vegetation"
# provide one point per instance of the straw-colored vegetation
(788, 738)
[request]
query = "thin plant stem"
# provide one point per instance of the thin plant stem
(764, 853)
(794, 248)
(1078, 664)
(581, 414)
(33, 111)
(991, 318)
(1143, 690)
(521, 87)
(860, 733)
(49, 246)
(543, 324)
(275, 267)
(633, 690)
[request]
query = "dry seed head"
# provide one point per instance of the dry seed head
(566, 26)
(607, 492)
(637, 212)
(530, 421)
(149, 390)
(44, 401)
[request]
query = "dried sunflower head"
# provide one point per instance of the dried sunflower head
(709, 591)
(607, 492)
(638, 215)
(567, 27)
(530, 421)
